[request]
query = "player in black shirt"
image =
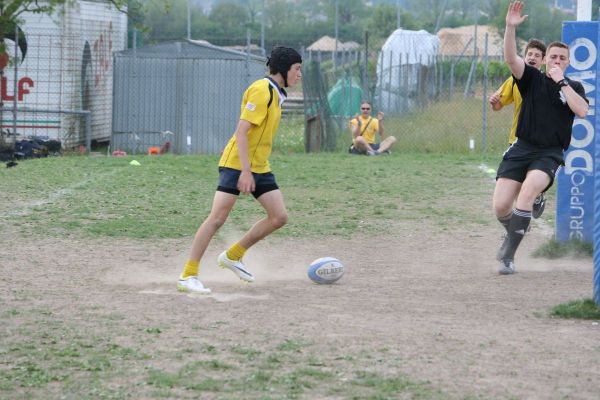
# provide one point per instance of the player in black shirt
(528, 167)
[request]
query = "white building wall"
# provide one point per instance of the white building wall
(67, 66)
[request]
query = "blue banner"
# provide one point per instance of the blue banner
(575, 190)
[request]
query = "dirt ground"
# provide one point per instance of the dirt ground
(427, 304)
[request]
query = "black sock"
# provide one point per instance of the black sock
(505, 221)
(519, 222)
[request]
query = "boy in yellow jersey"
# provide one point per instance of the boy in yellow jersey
(244, 168)
(364, 128)
(535, 51)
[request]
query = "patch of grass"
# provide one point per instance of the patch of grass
(60, 361)
(29, 373)
(290, 135)
(577, 309)
(162, 379)
(314, 373)
(290, 345)
(205, 385)
(250, 354)
(161, 198)
(386, 386)
(58, 357)
(573, 248)
(441, 127)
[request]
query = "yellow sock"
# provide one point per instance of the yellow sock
(236, 252)
(191, 268)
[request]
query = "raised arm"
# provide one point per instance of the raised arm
(576, 103)
(513, 19)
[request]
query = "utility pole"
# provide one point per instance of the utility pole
(397, 14)
(336, 36)
(189, 21)
(262, 29)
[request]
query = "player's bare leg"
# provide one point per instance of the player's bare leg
(188, 280)
(277, 216)
(386, 144)
(361, 144)
(221, 207)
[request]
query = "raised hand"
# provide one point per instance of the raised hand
(556, 73)
(513, 15)
(380, 116)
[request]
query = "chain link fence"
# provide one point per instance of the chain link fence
(436, 104)
(62, 87)
(46, 89)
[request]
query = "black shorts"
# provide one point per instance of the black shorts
(354, 150)
(522, 157)
(228, 179)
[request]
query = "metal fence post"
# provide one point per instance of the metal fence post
(367, 67)
(390, 66)
(451, 85)
(485, 106)
(88, 129)
(15, 80)
(247, 64)
(380, 63)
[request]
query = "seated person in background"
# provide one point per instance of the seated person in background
(364, 127)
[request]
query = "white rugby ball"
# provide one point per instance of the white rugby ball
(325, 270)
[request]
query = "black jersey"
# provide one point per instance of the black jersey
(546, 119)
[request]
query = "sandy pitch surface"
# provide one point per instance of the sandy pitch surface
(433, 301)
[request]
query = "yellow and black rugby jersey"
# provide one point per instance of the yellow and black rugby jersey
(261, 106)
(368, 129)
(509, 93)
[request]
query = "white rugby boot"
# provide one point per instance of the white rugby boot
(237, 267)
(192, 285)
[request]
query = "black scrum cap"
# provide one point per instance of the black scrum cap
(282, 59)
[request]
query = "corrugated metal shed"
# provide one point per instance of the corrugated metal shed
(190, 88)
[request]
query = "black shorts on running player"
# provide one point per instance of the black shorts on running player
(522, 157)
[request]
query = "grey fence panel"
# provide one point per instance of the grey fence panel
(192, 91)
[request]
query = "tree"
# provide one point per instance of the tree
(10, 10)
(385, 19)
(277, 14)
(595, 9)
(231, 20)
(544, 23)
(349, 11)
